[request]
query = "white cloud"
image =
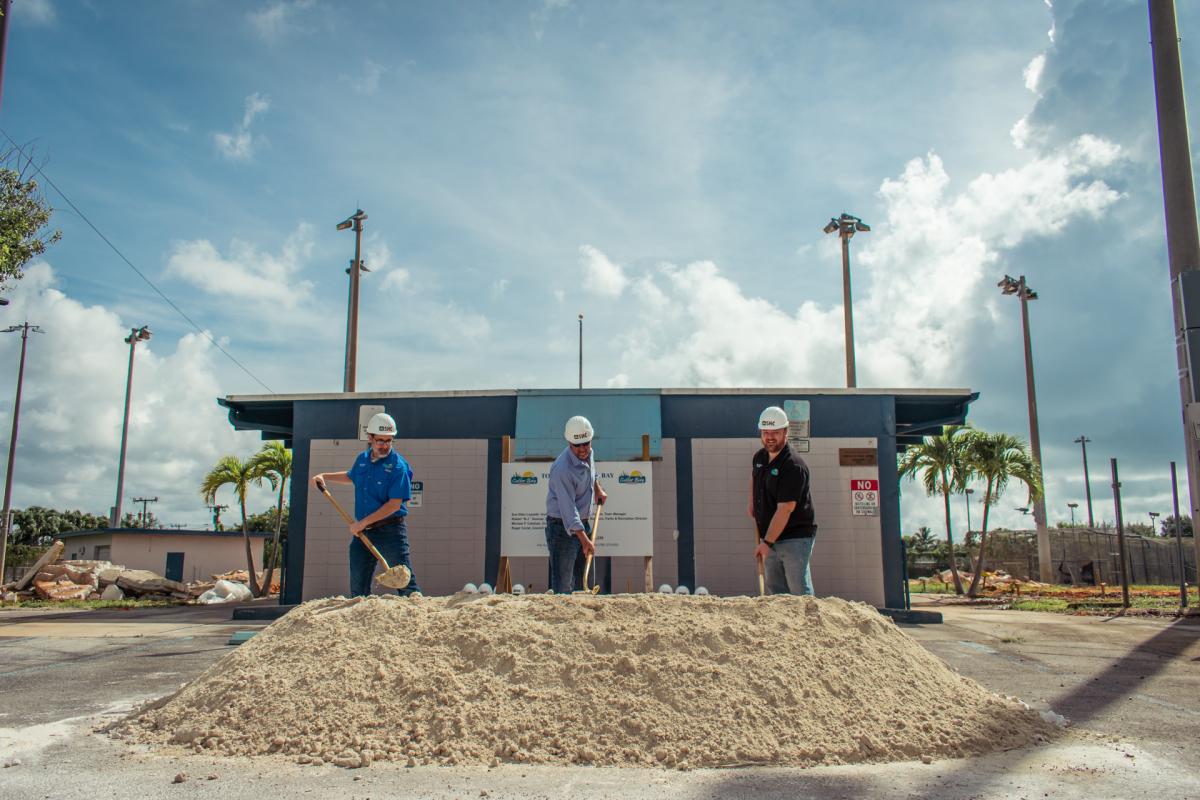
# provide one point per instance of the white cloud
(262, 279)
(367, 83)
(935, 250)
(73, 401)
(396, 281)
(279, 18)
(600, 275)
(499, 287)
(36, 12)
(540, 17)
(241, 143)
(1033, 72)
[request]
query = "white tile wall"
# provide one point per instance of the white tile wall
(847, 556)
(446, 535)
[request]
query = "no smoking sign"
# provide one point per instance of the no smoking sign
(864, 497)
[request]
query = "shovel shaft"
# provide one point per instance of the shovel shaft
(587, 564)
(361, 536)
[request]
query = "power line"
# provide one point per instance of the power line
(129, 263)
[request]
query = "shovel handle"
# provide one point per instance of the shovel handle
(587, 564)
(361, 536)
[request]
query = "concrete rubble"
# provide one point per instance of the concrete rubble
(52, 578)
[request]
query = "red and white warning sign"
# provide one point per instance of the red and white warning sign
(864, 497)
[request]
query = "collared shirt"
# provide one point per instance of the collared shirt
(376, 482)
(783, 479)
(571, 484)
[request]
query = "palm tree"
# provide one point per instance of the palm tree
(229, 471)
(939, 462)
(923, 539)
(997, 458)
(273, 463)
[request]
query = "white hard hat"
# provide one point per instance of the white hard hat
(665, 589)
(701, 590)
(682, 590)
(470, 588)
(382, 425)
(518, 589)
(579, 430)
(773, 418)
(485, 588)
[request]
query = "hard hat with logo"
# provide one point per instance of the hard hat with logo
(382, 425)
(579, 430)
(773, 418)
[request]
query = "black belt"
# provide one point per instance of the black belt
(383, 523)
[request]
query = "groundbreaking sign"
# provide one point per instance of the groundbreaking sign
(627, 528)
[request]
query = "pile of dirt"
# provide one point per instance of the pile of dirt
(628, 680)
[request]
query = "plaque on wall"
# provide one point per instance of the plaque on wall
(858, 457)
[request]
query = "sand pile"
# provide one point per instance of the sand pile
(630, 680)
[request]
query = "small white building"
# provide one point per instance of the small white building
(179, 555)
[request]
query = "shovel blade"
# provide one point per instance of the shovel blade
(397, 577)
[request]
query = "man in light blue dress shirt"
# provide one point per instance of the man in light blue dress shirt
(572, 488)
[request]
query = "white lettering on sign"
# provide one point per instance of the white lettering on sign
(864, 497)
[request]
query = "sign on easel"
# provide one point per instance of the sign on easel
(627, 528)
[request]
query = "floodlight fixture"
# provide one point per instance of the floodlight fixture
(832, 226)
(846, 225)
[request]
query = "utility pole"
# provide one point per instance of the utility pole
(6, 9)
(846, 226)
(581, 351)
(6, 523)
(1025, 294)
(1183, 597)
(145, 501)
(217, 516)
(356, 268)
(136, 335)
(1116, 487)
(1087, 482)
(1072, 506)
(1183, 238)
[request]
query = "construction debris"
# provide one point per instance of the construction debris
(626, 680)
(53, 579)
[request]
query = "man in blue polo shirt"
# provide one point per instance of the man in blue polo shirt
(382, 485)
(572, 487)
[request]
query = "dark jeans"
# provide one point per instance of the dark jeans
(566, 556)
(391, 540)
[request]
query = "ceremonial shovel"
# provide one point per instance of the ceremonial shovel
(396, 577)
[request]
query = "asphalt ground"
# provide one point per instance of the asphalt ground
(1131, 688)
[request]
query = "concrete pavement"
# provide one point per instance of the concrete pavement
(1131, 683)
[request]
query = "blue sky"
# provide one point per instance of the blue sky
(664, 168)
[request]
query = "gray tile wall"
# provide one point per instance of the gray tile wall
(446, 535)
(847, 557)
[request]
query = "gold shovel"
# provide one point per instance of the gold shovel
(587, 564)
(396, 577)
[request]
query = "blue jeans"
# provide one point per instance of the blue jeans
(786, 567)
(566, 556)
(391, 540)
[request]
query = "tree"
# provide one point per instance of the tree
(1185, 526)
(274, 463)
(922, 540)
(230, 471)
(939, 462)
(996, 459)
(34, 524)
(24, 214)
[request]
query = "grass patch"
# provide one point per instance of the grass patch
(90, 604)
(1058, 598)
(1051, 604)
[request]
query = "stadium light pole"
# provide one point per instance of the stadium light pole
(136, 335)
(846, 226)
(1018, 287)
(1072, 506)
(6, 522)
(355, 221)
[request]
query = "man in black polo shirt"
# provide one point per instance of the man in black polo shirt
(781, 507)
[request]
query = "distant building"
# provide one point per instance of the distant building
(179, 555)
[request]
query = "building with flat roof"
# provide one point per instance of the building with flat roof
(694, 445)
(180, 555)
